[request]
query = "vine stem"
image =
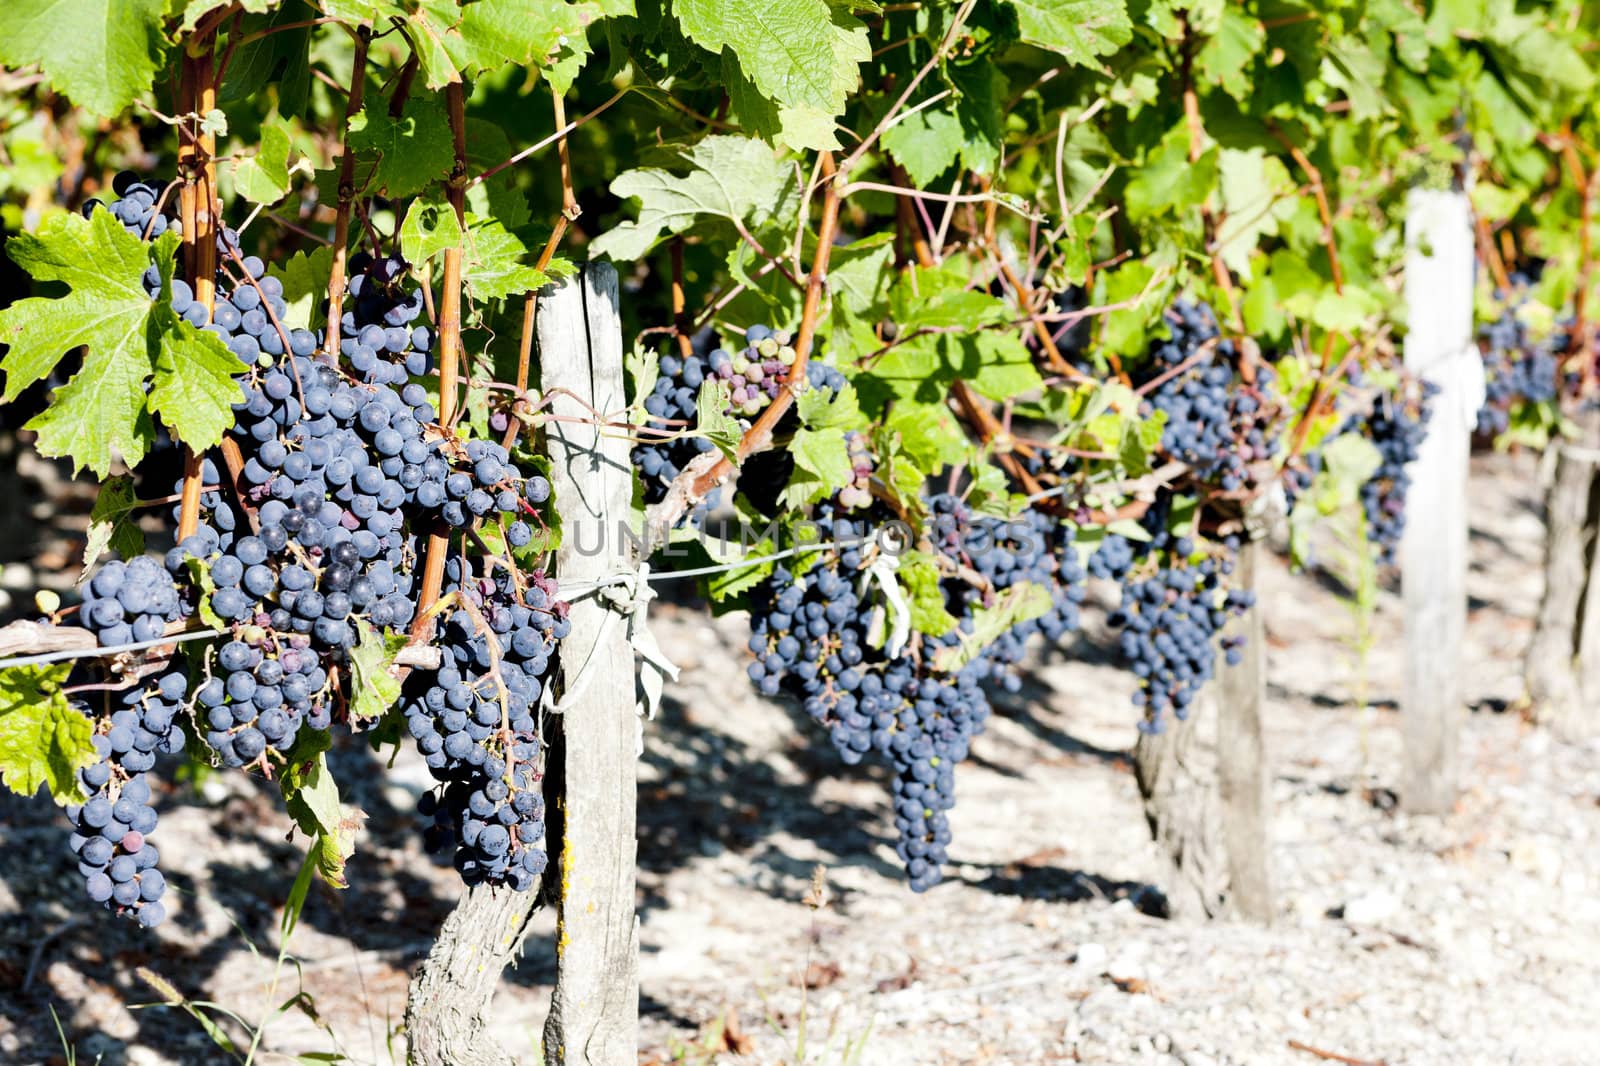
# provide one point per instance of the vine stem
(449, 358)
(197, 204)
(1320, 193)
(706, 472)
(530, 299)
(347, 192)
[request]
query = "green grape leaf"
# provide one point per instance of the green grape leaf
(997, 364)
(312, 799)
(965, 127)
(1257, 191)
(374, 689)
(1226, 58)
(823, 409)
(455, 41)
(401, 156)
(362, 12)
(281, 59)
(493, 267)
(195, 10)
(1015, 605)
(797, 53)
(918, 574)
(857, 277)
(733, 178)
(305, 284)
(139, 358)
(1079, 30)
(430, 227)
(200, 571)
(823, 453)
(44, 739)
(102, 54)
(713, 420)
(1169, 182)
(263, 178)
(111, 524)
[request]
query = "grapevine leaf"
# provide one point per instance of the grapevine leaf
(362, 12)
(824, 454)
(111, 524)
(1015, 605)
(1257, 192)
(264, 177)
(1080, 30)
(32, 163)
(195, 10)
(430, 227)
(493, 266)
(712, 418)
(408, 152)
(44, 739)
(825, 409)
(131, 343)
(997, 364)
(918, 574)
(374, 689)
(797, 53)
(102, 54)
(856, 274)
(1169, 181)
(966, 127)
(282, 58)
(305, 283)
(1225, 59)
(312, 799)
(455, 41)
(734, 178)
(200, 571)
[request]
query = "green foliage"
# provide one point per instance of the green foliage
(140, 359)
(44, 739)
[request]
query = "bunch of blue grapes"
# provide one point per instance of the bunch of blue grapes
(1396, 425)
(1214, 422)
(111, 829)
(812, 636)
(475, 721)
(1032, 548)
(130, 602)
(1175, 601)
(1517, 370)
(754, 376)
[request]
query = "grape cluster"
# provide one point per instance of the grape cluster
(754, 376)
(1396, 425)
(111, 829)
(812, 639)
(1518, 370)
(1174, 602)
(1214, 422)
(475, 721)
(309, 543)
(130, 602)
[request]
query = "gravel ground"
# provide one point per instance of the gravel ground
(1459, 940)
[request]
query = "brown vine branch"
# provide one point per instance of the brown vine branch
(347, 192)
(197, 200)
(1320, 193)
(449, 359)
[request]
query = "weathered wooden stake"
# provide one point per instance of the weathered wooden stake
(591, 757)
(1566, 620)
(594, 1009)
(1204, 784)
(1241, 758)
(1439, 348)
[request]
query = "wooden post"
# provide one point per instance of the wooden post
(1241, 757)
(590, 760)
(1562, 669)
(594, 1010)
(1177, 774)
(1439, 349)
(1204, 785)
